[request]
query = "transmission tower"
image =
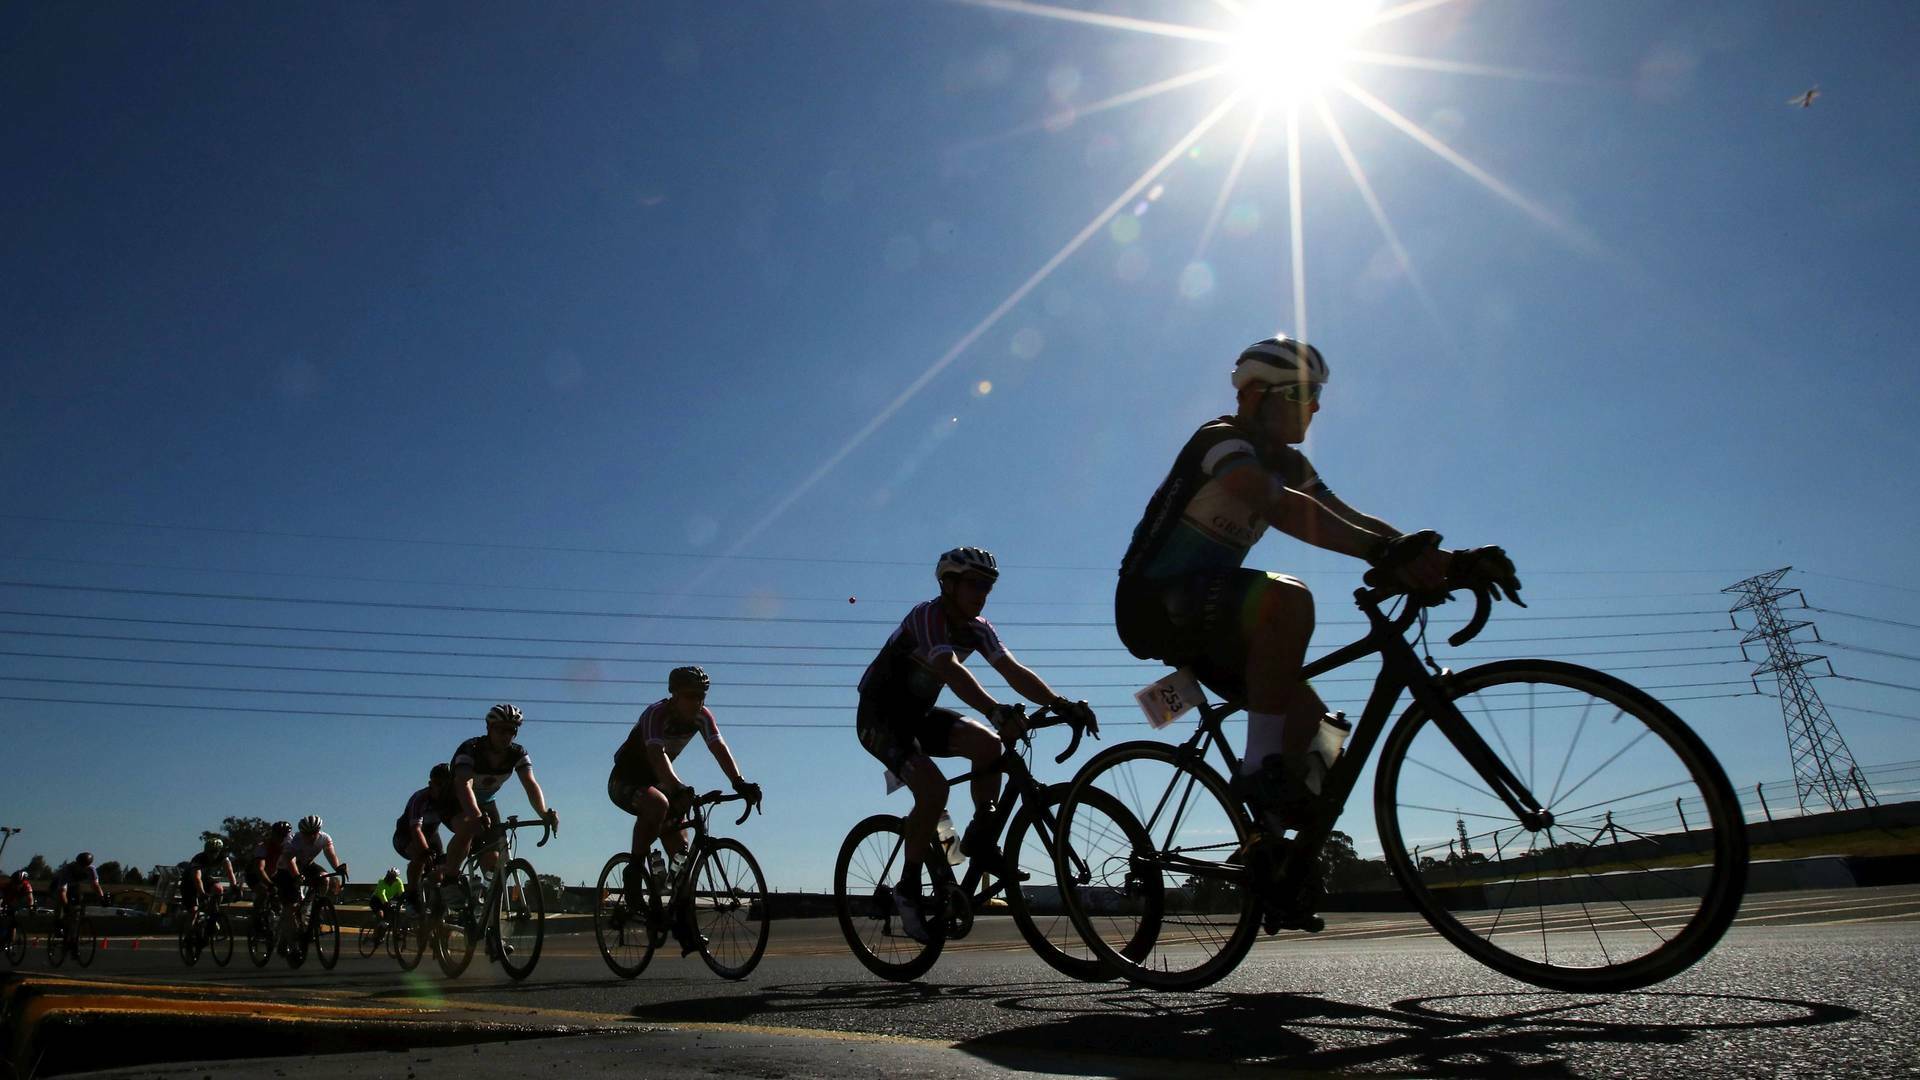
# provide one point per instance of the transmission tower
(1823, 767)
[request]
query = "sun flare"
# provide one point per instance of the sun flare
(1288, 50)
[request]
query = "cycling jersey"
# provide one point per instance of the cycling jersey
(488, 767)
(15, 894)
(210, 867)
(903, 672)
(1193, 524)
(385, 890)
(69, 874)
(658, 726)
(424, 811)
(304, 849)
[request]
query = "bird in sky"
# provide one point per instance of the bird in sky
(1805, 100)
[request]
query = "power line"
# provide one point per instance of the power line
(1866, 618)
(1877, 682)
(1870, 652)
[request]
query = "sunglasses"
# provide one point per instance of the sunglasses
(1298, 393)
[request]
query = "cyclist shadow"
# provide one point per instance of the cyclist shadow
(794, 1000)
(1455, 1035)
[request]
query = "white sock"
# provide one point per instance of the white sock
(1263, 738)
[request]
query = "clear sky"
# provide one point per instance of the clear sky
(396, 362)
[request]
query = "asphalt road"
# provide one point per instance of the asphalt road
(1806, 984)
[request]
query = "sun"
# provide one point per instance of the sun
(1288, 50)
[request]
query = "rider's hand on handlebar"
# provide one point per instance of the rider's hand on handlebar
(680, 800)
(1416, 561)
(1491, 567)
(747, 790)
(1079, 712)
(1008, 719)
(553, 819)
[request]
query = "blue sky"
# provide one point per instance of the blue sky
(595, 310)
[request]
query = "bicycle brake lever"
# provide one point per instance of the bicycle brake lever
(1072, 744)
(1482, 607)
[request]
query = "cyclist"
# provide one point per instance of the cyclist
(1184, 597)
(416, 833)
(481, 766)
(304, 851)
(65, 889)
(201, 879)
(900, 723)
(645, 784)
(270, 872)
(385, 891)
(16, 898)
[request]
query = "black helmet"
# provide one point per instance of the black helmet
(440, 773)
(281, 828)
(688, 678)
(85, 858)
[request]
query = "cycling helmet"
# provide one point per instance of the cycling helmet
(20, 875)
(311, 823)
(439, 774)
(85, 858)
(504, 713)
(687, 678)
(214, 847)
(281, 828)
(393, 873)
(1279, 359)
(967, 560)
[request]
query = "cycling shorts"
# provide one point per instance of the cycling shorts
(896, 731)
(626, 791)
(403, 842)
(1204, 622)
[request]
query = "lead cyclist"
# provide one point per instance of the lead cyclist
(1184, 597)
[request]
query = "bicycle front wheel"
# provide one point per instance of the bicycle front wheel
(325, 933)
(219, 939)
(406, 936)
(729, 908)
(16, 939)
(1034, 897)
(259, 940)
(1635, 875)
(455, 926)
(863, 879)
(622, 926)
(56, 947)
(1180, 913)
(190, 941)
(522, 919)
(86, 942)
(369, 940)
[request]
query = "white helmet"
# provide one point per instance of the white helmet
(1279, 360)
(967, 560)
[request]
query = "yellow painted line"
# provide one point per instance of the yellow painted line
(44, 1004)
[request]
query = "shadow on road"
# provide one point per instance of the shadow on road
(1052, 1026)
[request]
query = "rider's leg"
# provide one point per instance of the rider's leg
(465, 829)
(982, 748)
(929, 787)
(649, 809)
(1282, 710)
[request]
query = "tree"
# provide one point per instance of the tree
(242, 835)
(553, 889)
(132, 876)
(110, 872)
(37, 868)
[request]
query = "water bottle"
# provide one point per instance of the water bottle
(1327, 743)
(657, 870)
(949, 841)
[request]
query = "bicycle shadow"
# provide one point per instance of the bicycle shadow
(1459, 1035)
(1055, 1027)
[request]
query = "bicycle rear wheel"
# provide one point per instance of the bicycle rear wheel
(1644, 862)
(56, 947)
(621, 924)
(1033, 897)
(863, 879)
(219, 939)
(1181, 913)
(729, 908)
(325, 933)
(370, 938)
(455, 926)
(521, 919)
(16, 939)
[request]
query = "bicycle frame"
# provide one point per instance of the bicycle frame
(1400, 671)
(681, 881)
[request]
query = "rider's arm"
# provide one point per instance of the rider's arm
(1024, 682)
(723, 756)
(233, 878)
(663, 768)
(535, 796)
(1366, 521)
(1300, 515)
(463, 787)
(334, 858)
(951, 671)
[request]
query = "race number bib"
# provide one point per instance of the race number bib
(1168, 699)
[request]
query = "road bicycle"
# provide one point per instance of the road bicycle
(73, 936)
(501, 910)
(207, 931)
(871, 860)
(714, 899)
(1555, 823)
(13, 937)
(399, 930)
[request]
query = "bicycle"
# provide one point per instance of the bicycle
(208, 931)
(73, 935)
(13, 937)
(871, 857)
(319, 932)
(469, 908)
(717, 898)
(1454, 757)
